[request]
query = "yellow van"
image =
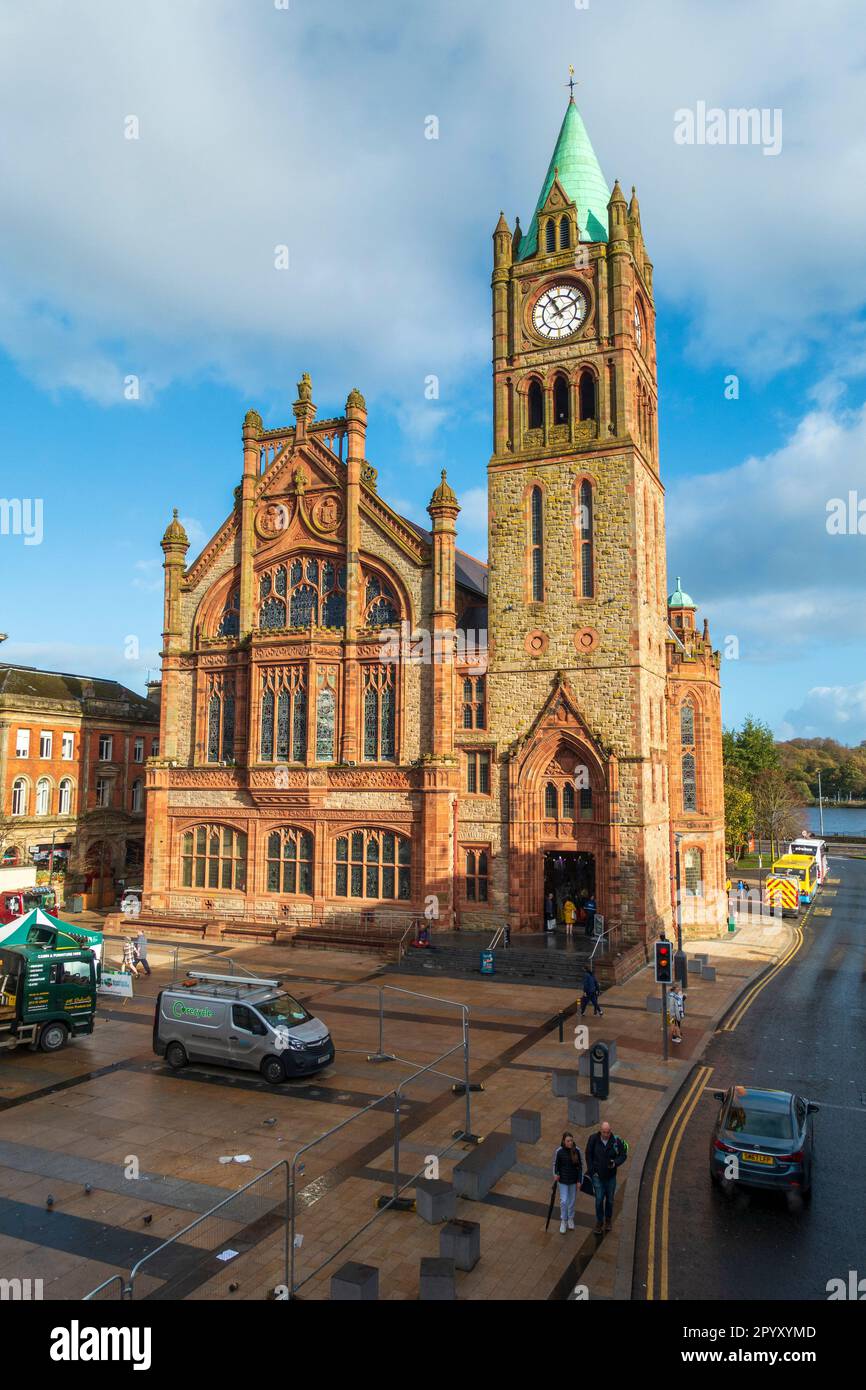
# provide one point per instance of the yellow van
(804, 869)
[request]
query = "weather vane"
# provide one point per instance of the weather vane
(571, 84)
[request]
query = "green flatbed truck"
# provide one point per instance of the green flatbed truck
(46, 996)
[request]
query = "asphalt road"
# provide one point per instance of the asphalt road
(805, 1032)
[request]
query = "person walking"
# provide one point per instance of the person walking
(676, 1011)
(605, 1153)
(141, 950)
(591, 988)
(590, 916)
(130, 963)
(568, 1173)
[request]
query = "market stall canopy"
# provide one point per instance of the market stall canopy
(38, 928)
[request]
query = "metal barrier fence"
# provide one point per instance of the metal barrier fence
(239, 1248)
(245, 1246)
(110, 1289)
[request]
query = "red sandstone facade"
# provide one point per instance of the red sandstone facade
(358, 716)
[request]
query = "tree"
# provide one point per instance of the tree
(751, 750)
(778, 816)
(739, 816)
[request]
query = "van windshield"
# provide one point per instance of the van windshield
(283, 1009)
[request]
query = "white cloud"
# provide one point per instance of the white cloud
(261, 127)
(829, 711)
(752, 545)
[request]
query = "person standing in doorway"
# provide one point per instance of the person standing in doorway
(141, 949)
(567, 1172)
(569, 912)
(590, 915)
(605, 1153)
(549, 912)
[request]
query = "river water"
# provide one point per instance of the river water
(838, 820)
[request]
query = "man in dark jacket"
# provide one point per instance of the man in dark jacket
(591, 988)
(605, 1153)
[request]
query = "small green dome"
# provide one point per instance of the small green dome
(679, 599)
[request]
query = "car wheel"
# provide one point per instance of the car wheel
(273, 1070)
(53, 1037)
(175, 1055)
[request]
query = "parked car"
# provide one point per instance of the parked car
(763, 1138)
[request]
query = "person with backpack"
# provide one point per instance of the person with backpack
(676, 1011)
(605, 1153)
(568, 1173)
(591, 988)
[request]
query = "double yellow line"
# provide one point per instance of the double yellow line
(665, 1167)
(660, 1196)
(754, 990)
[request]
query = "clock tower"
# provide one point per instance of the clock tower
(577, 611)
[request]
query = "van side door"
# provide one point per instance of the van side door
(248, 1037)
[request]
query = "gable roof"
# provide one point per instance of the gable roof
(60, 685)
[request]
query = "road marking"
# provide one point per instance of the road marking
(686, 1116)
(693, 1091)
(834, 880)
(823, 912)
(752, 993)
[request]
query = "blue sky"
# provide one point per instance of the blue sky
(260, 126)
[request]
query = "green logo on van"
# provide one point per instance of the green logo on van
(181, 1010)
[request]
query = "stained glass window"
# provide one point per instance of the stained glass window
(687, 726)
(382, 614)
(297, 572)
(327, 576)
(585, 799)
(690, 788)
(305, 606)
(267, 741)
(283, 708)
(380, 737)
(365, 865)
(214, 857)
(476, 878)
(326, 715)
(213, 729)
(371, 724)
(264, 586)
(280, 580)
(387, 729)
(272, 613)
(231, 618)
(334, 610)
(313, 572)
(290, 862)
(299, 727)
(228, 740)
(568, 800)
(551, 800)
(474, 703)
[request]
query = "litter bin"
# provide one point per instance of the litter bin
(488, 963)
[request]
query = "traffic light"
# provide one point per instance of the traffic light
(664, 963)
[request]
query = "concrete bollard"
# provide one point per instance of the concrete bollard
(354, 1283)
(526, 1126)
(708, 972)
(460, 1241)
(565, 1083)
(435, 1200)
(583, 1111)
(654, 1003)
(437, 1280)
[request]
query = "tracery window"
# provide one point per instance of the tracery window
(379, 713)
(308, 592)
(687, 725)
(230, 623)
(326, 715)
(290, 861)
(214, 856)
(373, 864)
(690, 784)
(283, 717)
(221, 719)
(381, 605)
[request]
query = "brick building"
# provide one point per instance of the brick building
(339, 734)
(72, 772)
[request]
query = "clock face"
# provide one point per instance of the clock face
(559, 312)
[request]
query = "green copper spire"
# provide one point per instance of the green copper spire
(581, 177)
(679, 599)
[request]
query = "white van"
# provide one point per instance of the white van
(239, 1021)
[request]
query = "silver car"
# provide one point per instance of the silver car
(239, 1022)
